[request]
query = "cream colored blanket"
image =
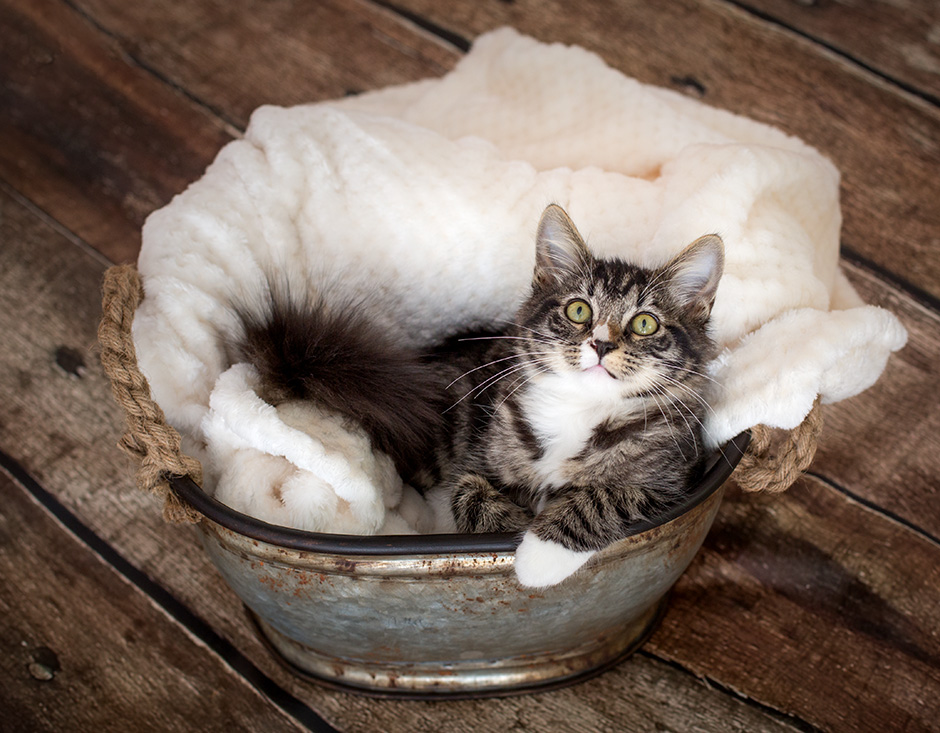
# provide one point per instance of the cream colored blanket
(426, 198)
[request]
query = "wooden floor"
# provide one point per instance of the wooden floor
(818, 609)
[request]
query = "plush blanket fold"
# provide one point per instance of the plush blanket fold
(425, 198)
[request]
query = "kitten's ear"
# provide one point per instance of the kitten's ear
(692, 276)
(559, 249)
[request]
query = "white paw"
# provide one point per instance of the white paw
(540, 563)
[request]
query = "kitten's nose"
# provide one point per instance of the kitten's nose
(602, 347)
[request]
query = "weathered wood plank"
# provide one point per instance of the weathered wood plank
(63, 427)
(245, 54)
(817, 606)
(884, 444)
(94, 138)
(856, 615)
(83, 650)
(129, 23)
(886, 143)
(266, 54)
(95, 142)
(642, 695)
(901, 40)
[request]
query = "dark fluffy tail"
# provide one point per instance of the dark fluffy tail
(334, 355)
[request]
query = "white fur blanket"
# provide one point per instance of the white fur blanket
(426, 198)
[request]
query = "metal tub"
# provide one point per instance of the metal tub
(442, 615)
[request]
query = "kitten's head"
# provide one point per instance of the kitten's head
(605, 319)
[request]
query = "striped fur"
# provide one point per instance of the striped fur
(572, 430)
(585, 451)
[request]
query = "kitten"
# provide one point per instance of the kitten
(581, 417)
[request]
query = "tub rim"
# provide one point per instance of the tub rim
(719, 467)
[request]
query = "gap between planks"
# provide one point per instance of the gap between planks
(875, 508)
(230, 655)
(854, 59)
(230, 126)
(671, 695)
(165, 600)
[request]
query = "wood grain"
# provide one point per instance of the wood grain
(95, 142)
(83, 650)
(61, 427)
(884, 444)
(886, 143)
(94, 135)
(811, 604)
(58, 421)
(816, 606)
(244, 54)
(905, 45)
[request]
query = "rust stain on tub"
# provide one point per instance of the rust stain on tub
(275, 584)
(455, 622)
(346, 565)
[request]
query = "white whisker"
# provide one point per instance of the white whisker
(496, 361)
(685, 388)
(479, 389)
(668, 422)
(703, 375)
(540, 370)
(552, 338)
(487, 383)
(672, 402)
(508, 337)
(680, 404)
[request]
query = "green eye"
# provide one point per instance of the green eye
(578, 311)
(644, 324)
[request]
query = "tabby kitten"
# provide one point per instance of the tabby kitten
(581, 417)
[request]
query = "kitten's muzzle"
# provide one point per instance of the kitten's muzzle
(603, 347)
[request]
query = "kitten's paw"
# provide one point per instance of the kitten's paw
(478, 506)
(540, 563)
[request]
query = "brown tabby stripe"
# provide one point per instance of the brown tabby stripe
(606, 437)
(523, 430)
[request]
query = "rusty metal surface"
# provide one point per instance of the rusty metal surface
(720, 466)
(458, 622)
(443, 615)
(484, 678)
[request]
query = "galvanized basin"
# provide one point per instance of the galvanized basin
(442, 615)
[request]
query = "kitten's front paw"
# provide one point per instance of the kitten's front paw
(540, 563)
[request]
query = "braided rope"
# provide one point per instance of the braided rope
(148, 437)
(770, 468)
(764, 467)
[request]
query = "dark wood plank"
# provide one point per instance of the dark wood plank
(900, 40)
(884, 141)
(789, 596)
(884, 444)
(83, 650)
(160, 42)
(94, 141)
(244, 54)
(58, 420)
(817, 606)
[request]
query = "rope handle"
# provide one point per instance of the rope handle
(148, 438)
(766, 466)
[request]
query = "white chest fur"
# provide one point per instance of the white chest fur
(563, 411)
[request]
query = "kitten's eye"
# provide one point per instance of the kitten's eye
(644, 324)
(578, 311)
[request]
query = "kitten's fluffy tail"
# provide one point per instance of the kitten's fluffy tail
(336, 356)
